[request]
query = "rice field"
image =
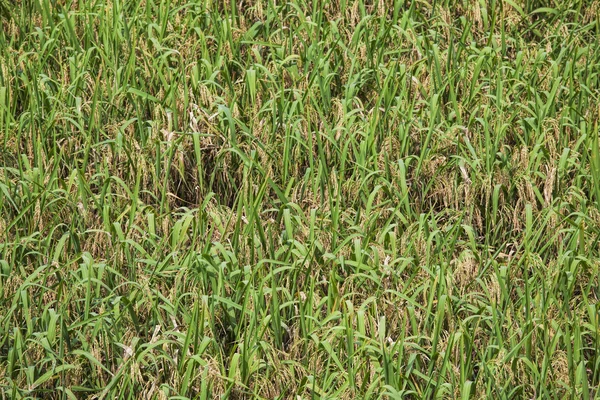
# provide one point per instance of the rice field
(327, 199)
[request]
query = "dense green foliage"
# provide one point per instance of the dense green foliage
(299, 200)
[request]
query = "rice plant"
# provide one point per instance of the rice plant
(299, 199)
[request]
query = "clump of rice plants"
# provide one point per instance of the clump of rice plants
(299, 199)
